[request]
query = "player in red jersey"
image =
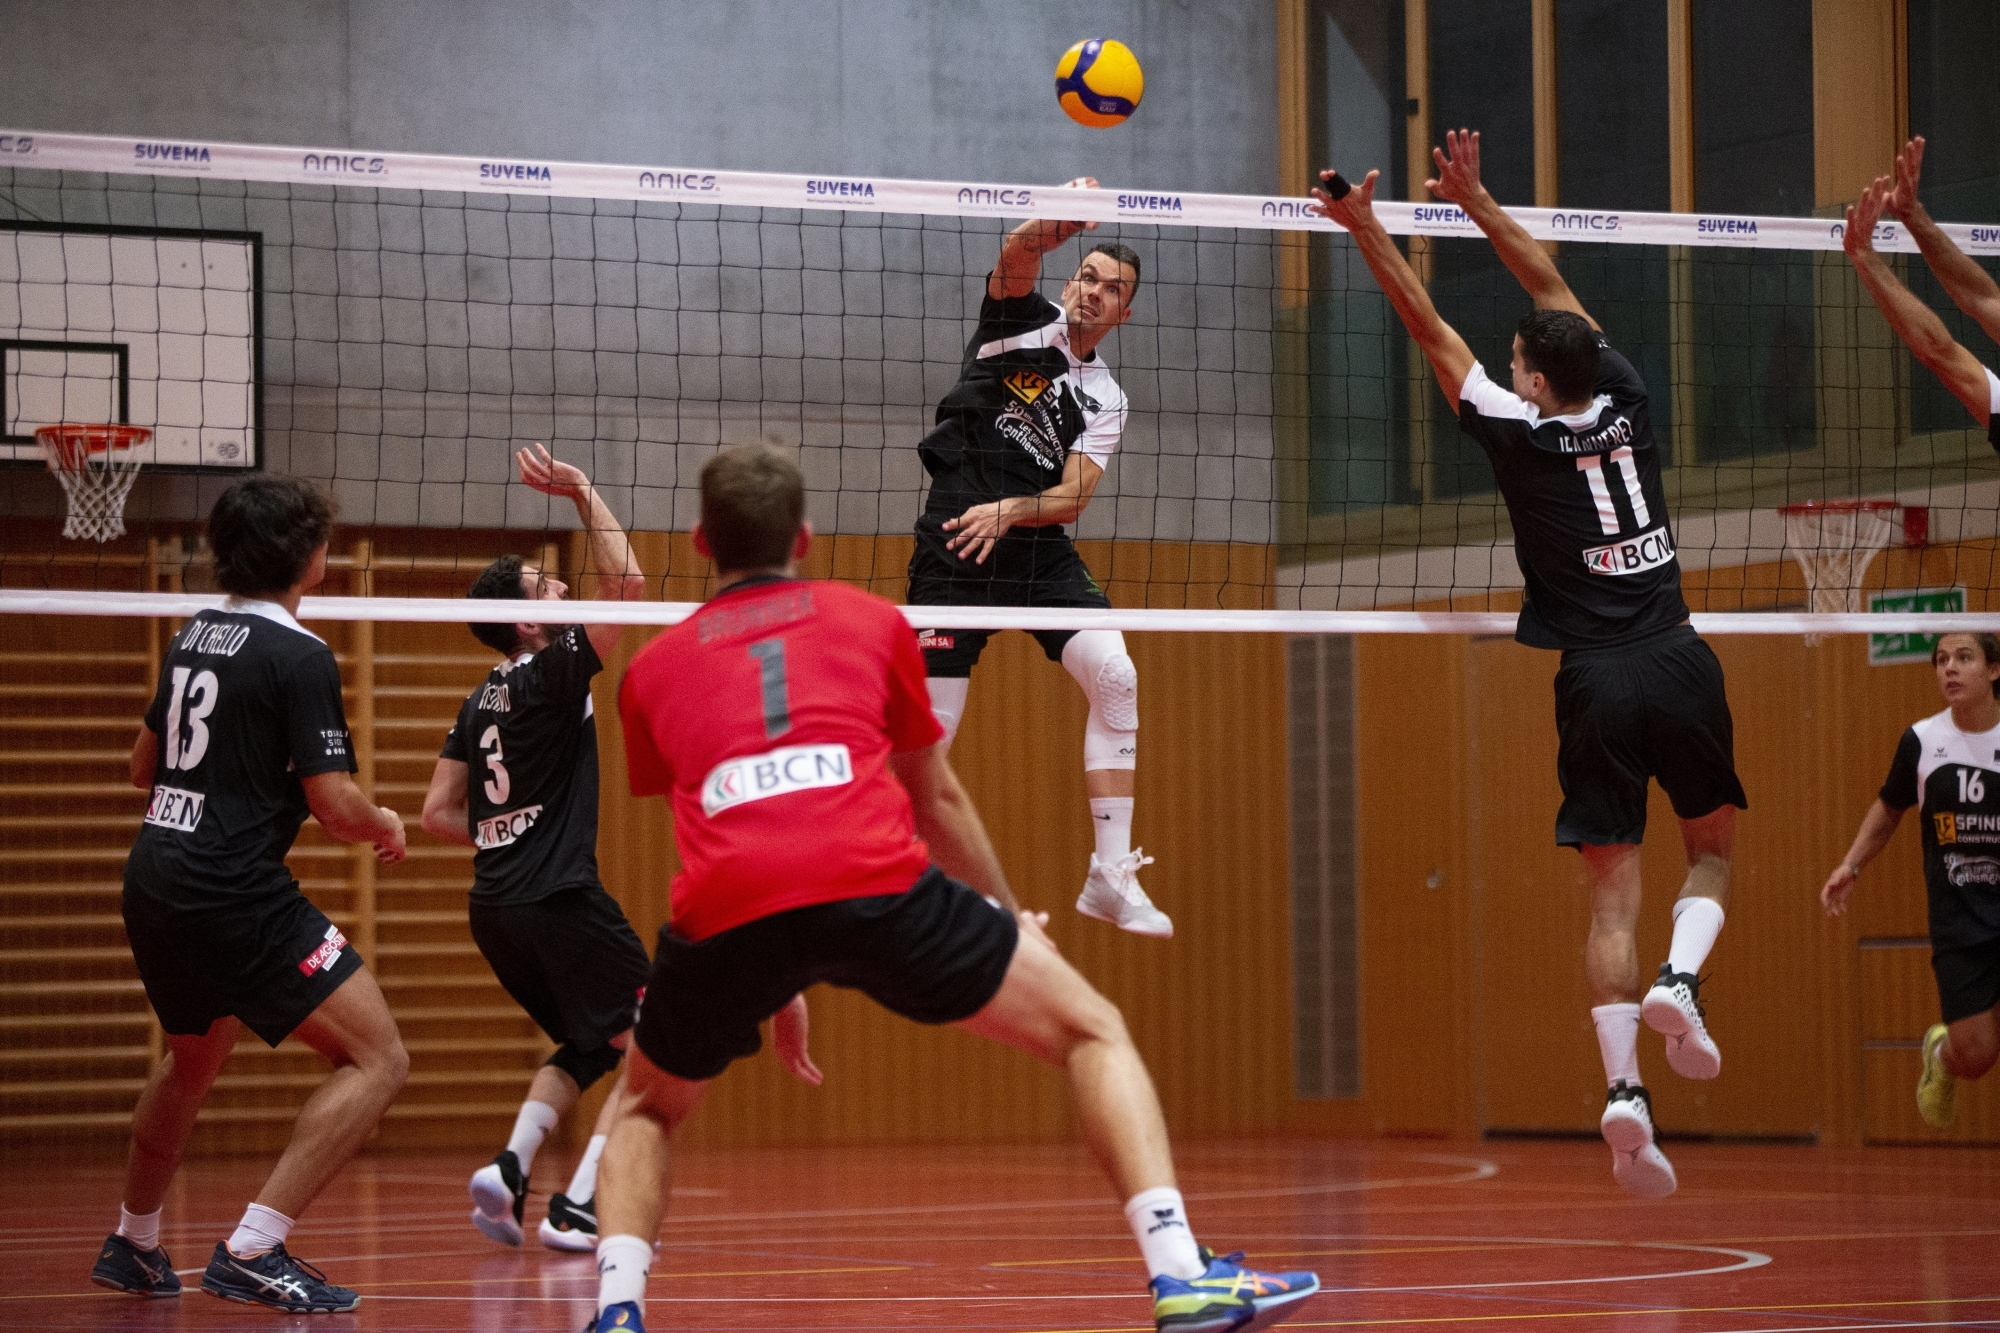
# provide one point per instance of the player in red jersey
(789, 726)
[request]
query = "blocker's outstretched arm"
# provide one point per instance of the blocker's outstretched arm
(1353, 207)
(1458, 182)
(1914, 322)
(1020, 265)
(613, 566)
(1970, 287)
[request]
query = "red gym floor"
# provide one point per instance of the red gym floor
(1513, 1234)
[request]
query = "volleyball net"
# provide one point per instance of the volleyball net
(393, 326)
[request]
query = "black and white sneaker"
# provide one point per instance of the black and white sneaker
(570, 1225)
(276, 1279)
(500, 1193)
(1673, 1009)
(123, 1266)
(1636, 1160)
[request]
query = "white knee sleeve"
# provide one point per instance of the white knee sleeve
(1097, 659)
(948, 702)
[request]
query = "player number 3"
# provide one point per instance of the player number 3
(1971, 785)
(498, 785)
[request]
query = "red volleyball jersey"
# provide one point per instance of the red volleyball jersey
(767, 719)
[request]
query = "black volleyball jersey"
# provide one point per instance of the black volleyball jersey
(1955, 776)
(1023, 403)
(248, 704)
(1992, 407)
(1591, 531)
(529, 738)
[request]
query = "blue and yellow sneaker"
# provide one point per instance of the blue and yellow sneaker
(620, 1318)
(123, 1266)
(1228, 1298)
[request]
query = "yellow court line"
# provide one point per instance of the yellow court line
(558, 1277)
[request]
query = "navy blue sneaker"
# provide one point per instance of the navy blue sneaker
(276, 1279)
(125, 1267)
(1228, 1298)
(620, 1318)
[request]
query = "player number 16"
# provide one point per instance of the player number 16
(1971, 785)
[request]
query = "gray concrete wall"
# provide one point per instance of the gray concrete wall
(411, 341)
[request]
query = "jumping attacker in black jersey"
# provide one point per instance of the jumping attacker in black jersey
(1019, 445)
(1638, 696)
(246, 733)
(556, 940)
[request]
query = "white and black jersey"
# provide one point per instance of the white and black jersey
(1023, 403)
(528, 735)
(1591, 531)
(1992, 407)
(248, 704)
(1955, 777)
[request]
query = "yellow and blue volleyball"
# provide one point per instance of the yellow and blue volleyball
(1099, 82)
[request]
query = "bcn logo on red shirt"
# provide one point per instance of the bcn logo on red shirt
(758, 777)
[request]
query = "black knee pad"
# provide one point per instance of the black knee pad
(586, 1067)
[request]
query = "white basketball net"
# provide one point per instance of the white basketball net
(1833, 546)
(95, 481)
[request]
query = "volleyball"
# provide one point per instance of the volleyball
(1099, 82)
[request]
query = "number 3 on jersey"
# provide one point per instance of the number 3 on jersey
(198, 697)
(498, 785)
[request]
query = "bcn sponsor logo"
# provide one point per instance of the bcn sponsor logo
(22, 144)
(348, 164)
(504, 829)
(175, 809)
(1586, 222)
(529, 172)
(1149, 203)
(758, 777)
(170, 152)
(1288, 208)
(1434, 214)
(1012, 196)
(823, 189)
(1725, 226)
(1647, 551)
(685, 182)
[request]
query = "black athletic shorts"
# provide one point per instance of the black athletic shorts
(571, 960)
(1968, 978)
(270, 962)
(1651, 709)
(935, 954)
(1028, 567)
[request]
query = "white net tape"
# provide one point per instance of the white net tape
(1833, 545)
(95, 482)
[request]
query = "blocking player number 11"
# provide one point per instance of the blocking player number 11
(770, 655)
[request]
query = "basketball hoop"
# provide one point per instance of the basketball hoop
(96, 465)
(1834, 540)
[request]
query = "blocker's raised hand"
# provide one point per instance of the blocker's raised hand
(1457, 181)
(1862, 215)
(1351, 208)
(1909, 169)
(540, 470)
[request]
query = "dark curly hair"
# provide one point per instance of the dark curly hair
(264, 531)
(502, 580)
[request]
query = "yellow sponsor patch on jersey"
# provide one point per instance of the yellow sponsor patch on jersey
(1026, 385)
(1947, 827)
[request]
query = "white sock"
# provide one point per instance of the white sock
(1159, 1224)
(1111, 821)
(585, 1180)
(1618, 1041)
(531, 1126)
(142, 1231)
(261, 1229)
(1697, 921)
(622, 1265)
